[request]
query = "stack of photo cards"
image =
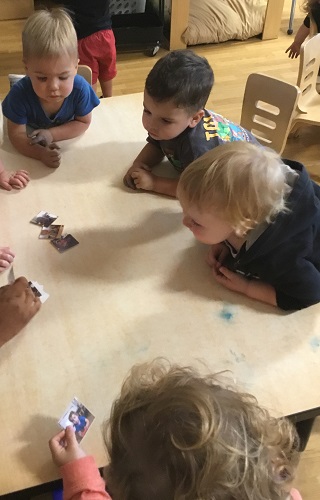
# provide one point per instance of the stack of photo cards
(79, 416)
(53, 232)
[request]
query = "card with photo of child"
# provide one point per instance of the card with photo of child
(44, 218)
(79, 416)
(64, 242)
(51, 232)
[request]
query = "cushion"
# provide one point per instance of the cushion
(212, 21)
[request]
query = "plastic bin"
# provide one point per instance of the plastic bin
(132, 31)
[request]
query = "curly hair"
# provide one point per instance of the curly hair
(183, 77)
(175, 434)
(49, 33)
(245, 182)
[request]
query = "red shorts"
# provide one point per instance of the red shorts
(98, 51)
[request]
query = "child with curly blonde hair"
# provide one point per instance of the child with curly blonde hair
(175, 434)
(261, 216)
(312, 8)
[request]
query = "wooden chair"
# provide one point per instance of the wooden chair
(268, 109)
(308, 112)
(85, 72)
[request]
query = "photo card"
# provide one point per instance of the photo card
(39, 291)
(64, 242)
(78, 415)
(44, 219)
(51, 232)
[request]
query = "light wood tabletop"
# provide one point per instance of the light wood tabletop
(136, 287)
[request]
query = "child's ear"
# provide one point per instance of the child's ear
(25, 66)
(194, 120)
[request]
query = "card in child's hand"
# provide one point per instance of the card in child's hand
(44, 219)
(52, 232)
(39, 291)
(79, 416)
(64, 243)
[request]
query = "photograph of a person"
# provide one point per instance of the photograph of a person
(79, 416)
(43, 219)
(52, 232)
(64, 243)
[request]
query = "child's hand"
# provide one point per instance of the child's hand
(6, 258)
(216, 256)
(65, 448)
(128, 179)
(294, 50)
(232, 281)
(16, 180)
(18, 304)
(43, 137)
(143, 179)
(51, 156)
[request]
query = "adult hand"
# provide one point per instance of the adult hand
(64, 447)
(18, 305)
(51, 156)
(43, 137)
(16, 180)
(294, 50)
(6, 258)
(128, 179)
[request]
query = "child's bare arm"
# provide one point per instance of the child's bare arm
(294, 49)
(144, 179)
(68, 130)
(251, 288)
(49, 155)
(148, 157)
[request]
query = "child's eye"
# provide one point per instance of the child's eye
(63, 77)
(146, 111)
(168, 122)
(42, 78)
(195, 223)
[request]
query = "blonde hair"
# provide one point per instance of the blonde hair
(174, 434)
(49, 33)
(244, 182)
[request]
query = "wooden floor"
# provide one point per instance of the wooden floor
(232, 63)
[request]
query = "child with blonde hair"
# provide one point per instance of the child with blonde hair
(52, 103)
(312, 8)
(175, 434)
(261, 216)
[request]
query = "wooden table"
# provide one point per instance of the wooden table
(135, 288)
(180, 19)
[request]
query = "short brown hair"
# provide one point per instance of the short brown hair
(175, 434)
(49, 33)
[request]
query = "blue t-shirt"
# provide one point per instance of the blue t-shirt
(81, 425)
(22, 105)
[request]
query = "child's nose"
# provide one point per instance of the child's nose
(54, 84)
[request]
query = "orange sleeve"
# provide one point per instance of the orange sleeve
(82, 481)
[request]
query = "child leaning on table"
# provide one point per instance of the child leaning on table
(52, 103)
(261, 216)
(179, 127)
(175, 434)
(312, 8)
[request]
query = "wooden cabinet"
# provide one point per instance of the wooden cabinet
(15, 9)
